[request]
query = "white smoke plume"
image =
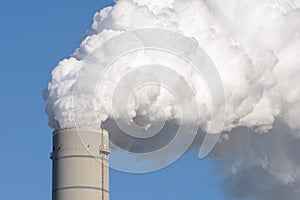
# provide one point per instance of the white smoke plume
(255, 45)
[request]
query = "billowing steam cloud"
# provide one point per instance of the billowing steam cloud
(255, 45)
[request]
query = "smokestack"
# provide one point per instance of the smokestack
(80, 164)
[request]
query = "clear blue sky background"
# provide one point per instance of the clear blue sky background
(35, 35)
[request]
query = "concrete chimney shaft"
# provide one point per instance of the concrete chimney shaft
(80, 164)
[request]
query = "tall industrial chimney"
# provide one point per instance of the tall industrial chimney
(80, 169)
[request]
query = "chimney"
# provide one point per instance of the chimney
(80, 164)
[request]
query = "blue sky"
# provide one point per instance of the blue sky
(35, 36)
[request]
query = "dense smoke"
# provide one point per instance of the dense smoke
(255, 46)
